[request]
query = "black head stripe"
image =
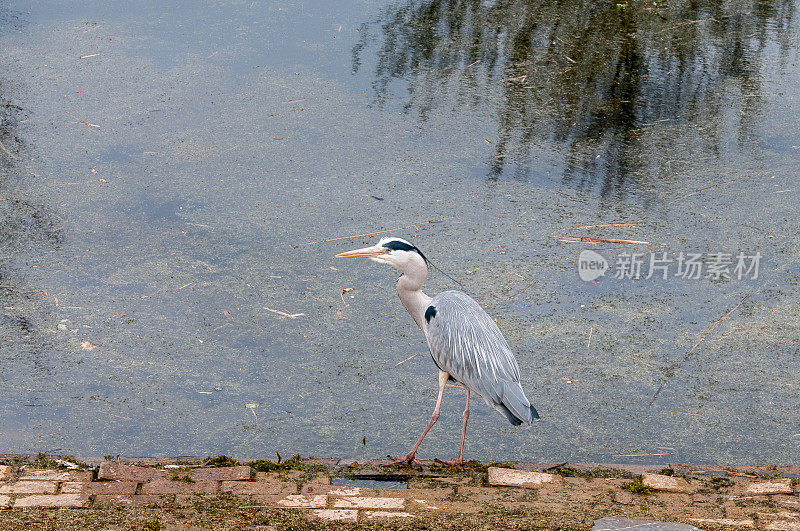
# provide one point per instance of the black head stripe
(396, 245)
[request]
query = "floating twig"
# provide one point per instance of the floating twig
(641, 455)
(708, 188)
(740, 474)
(589, 343)
(531, 283)
(289, 315)
(115, 415)
(718, 321)
(630, 224)
(6, 151)
(88, 56)
(408, 358)
(702, 338)
(78, 120)
(185, 285)
(690, 22)
(636, 357)
(586, 239)
(379, 231)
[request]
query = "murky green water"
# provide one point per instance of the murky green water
(166, 166)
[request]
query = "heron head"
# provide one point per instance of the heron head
(396, 252)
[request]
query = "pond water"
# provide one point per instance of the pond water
(177, 177)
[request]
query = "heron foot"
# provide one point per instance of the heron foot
(407, 461)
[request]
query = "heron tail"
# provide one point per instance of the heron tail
(515, 405)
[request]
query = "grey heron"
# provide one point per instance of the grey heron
(464, 341)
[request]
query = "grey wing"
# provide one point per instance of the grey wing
(466, 343)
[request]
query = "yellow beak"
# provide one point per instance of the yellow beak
(366, 252)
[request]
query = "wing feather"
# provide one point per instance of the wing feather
(466, 342)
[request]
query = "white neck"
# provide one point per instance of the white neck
(409, 289)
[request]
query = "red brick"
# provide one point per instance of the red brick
(310, 488)
(133, 501)
(258, 487)
(266, 499)
(490, 495)
(298, 501)
(53, 500)
(517, 478)
(319, 480)
(666, 483)
(775, 486)
(166, 486)
(29, 487)
(421, 496)
(334, 490)
(191, 498)
(228, 473)
(112, 470)
(56, 475)
(268, 476)
(183, 460)
(361, 502)
(386, 514)
(99, 487)
(337, 515)
(73, 487)
(5, 472)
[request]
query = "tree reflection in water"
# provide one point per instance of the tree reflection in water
(26, 227)
(617, 88)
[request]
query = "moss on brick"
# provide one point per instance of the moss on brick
(294, 463)
(220, 461)
(637, 487)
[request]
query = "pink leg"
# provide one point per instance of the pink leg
(443, 376)
(464, 431)
(460, 460)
